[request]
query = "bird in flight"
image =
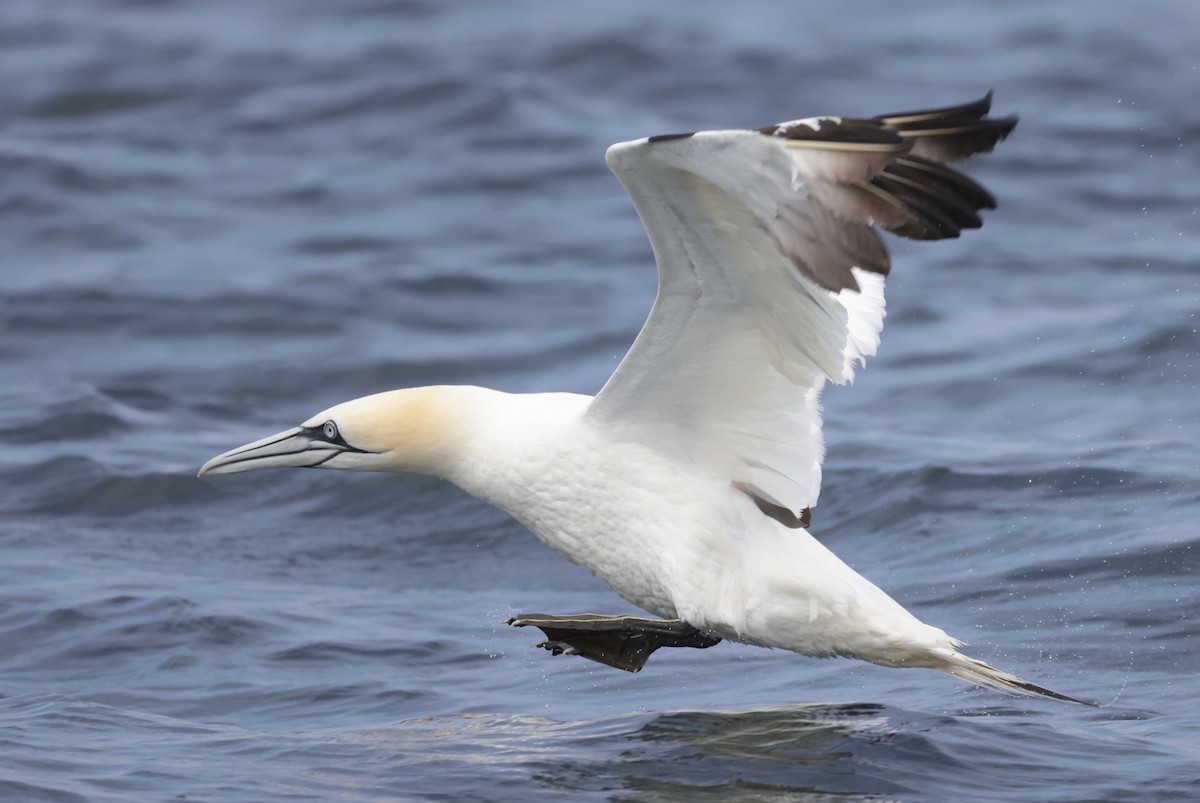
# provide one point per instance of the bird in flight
(686, 484)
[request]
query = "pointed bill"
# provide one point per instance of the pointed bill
(293, 448)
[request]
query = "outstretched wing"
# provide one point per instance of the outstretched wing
(771, 280)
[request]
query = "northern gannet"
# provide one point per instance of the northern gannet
(686, 484)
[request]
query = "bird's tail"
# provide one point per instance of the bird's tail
(967, 668)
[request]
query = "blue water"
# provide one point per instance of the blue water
(218, 218)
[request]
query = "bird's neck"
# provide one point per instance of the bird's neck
(475, 437)
(504, 442)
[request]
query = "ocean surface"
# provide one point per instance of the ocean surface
(218, 218)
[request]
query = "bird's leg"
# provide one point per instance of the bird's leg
(621, 641)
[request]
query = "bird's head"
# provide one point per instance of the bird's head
(422, 430)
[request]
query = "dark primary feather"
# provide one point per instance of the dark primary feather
(973, 110)
(930, 172)
(890, 174)
(951, 133)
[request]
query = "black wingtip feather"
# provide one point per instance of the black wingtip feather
(942, 201)
(951, 133)
(938, 175)
(974, 110)
(949, 203)
(931, 219)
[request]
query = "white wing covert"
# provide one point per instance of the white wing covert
(771, 280)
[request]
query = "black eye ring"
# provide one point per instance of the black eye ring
(330, 430)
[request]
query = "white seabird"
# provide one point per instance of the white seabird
(686, 483)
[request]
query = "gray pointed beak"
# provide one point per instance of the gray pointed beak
(299, 447)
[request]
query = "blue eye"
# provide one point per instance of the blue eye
(330, 430)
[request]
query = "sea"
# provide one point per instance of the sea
(218, 218)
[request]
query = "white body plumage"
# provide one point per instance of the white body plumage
(674, 540)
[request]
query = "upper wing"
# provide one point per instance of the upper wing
(771, 279)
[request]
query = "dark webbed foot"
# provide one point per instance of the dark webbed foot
(625, 642)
